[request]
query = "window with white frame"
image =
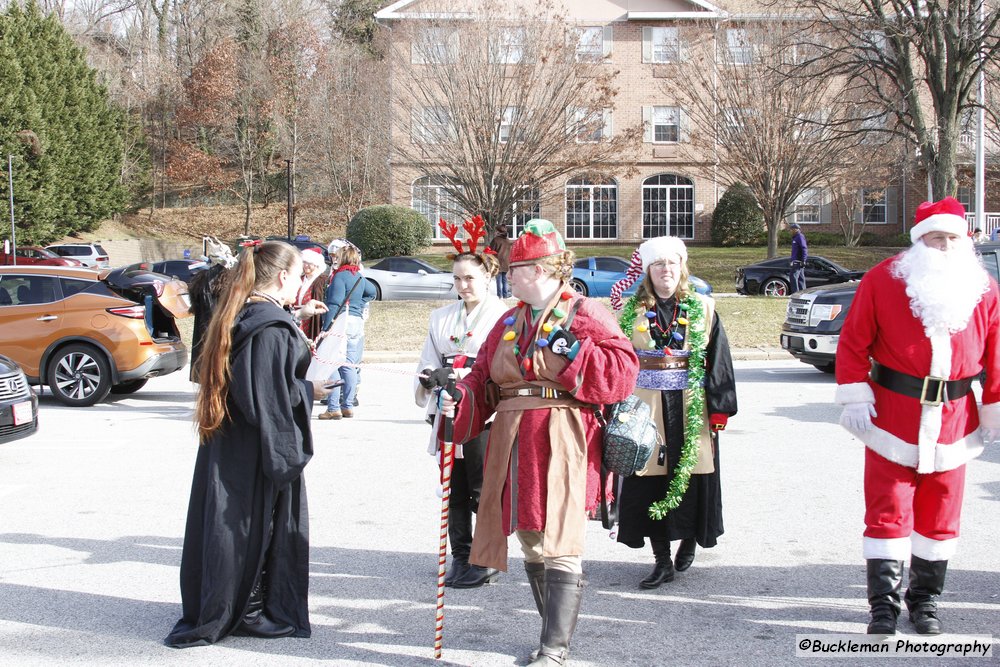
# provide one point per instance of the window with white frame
(667, 206)
(661, 44)
(433, 197)
(809, 206)
(873, 206)
(434, 45)
(873, 126)
(874, 45)
(591, 209)
(527, 207)
(589, 44)
(507, 46)
(666, 123)
(967, 198)
(589, 126)
(738, 50)
(967, 124)
(509, 130)
(432, 125)
(810, 125)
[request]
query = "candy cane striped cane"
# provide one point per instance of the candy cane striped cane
(448, 462)
(631, 275)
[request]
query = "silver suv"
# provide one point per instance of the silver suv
(89, 254)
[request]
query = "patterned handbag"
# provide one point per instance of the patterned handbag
(630, 436)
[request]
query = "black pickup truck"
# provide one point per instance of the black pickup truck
(815, 316)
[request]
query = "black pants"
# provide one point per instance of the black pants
(466, 484)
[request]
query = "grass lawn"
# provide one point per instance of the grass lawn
(718, 265)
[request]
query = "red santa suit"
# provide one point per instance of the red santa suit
(915, 462)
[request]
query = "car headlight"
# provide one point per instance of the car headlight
(823, 312)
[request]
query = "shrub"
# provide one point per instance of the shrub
(387, 231)
(737, 220)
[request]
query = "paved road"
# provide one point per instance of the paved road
(94, 504)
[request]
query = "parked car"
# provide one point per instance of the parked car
(88, 254)
(595, 276)
(84, 333)
(409, 278)
(29, 255)
(815, 316)
(181, 269)
(770, 277)
(304, 243)
(18, 404)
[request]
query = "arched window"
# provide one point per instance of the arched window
(432, 196)
(591, 209)
(667, 206)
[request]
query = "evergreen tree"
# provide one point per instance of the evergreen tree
(71, 179)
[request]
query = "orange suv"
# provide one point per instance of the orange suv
(85, 333)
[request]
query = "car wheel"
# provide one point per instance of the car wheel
(130, 386)
(774, 287)
(378, 290)
(579, 286)
(79, 375)
(826, 368)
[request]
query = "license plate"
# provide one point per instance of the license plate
(22, 413)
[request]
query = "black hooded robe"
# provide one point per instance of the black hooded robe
(248, 477)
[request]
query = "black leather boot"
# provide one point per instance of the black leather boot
(884, 579)
(256, 623)
(926, 583)
(563, 592)
(664, 569)
(460, 536)
(536, 579)
(476, 576)
(685, 554)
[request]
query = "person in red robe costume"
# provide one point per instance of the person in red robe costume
(922, 326)
(542, 370)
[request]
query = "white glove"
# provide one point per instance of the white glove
(858, 416)
(990, 436)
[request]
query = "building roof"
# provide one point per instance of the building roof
(603, 10)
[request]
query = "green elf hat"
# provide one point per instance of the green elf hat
(539, 240)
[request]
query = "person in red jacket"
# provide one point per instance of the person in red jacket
(922, 326)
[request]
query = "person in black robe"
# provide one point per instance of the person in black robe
(245, 562)
(660, 322)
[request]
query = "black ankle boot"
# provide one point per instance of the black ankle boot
(685, 554)
(563, 593)
(476, 576)
(926, 583)
(884, 579)
(664, 569)
(256, 623)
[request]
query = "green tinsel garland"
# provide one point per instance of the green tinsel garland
(694, 422)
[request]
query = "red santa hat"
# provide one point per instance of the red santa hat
(947, 215)
(538, 241)
(662, 247)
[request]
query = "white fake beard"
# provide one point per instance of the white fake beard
(944, 287)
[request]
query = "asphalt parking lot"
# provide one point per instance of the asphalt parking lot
(93, 518)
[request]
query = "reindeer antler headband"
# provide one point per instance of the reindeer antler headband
(475, 230)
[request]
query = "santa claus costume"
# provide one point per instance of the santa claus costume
(923, 325)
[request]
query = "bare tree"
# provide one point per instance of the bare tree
(860, 181)
(777, 134)
(501, 104)
(916, 61)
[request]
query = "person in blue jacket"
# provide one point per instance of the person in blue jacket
(350, 291)
(800, 252)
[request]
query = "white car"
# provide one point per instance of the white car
(409, 278)
(90, 255)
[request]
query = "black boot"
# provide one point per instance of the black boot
(664, 570)
(685, 554)
(563, 592)
(256, 623)
(460, 536)
(476, 576)
(926, 583)
(884, 579)
(536, 579)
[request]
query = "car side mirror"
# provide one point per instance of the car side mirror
(421, 272)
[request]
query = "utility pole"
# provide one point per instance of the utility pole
(10, 190)
(290, 187)
(980, 132)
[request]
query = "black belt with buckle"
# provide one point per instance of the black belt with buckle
(459, 361)
(930, 390)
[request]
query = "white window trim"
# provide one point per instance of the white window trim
(575, 37)
(501, 50)
(575, 117)
(591, 187)
(816, 201)
(884, 204)
(649, 45)
(439, 212)
(728, 51)
(450, 46)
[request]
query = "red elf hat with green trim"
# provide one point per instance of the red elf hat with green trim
(539, 240)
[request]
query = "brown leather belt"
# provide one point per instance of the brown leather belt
(662, 363)
(929, 390)
(537, 392)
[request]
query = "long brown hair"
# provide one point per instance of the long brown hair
(647, 296)
(259, 266)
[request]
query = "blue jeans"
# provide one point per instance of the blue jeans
(798, 282)
(503, 289)
(343, 396)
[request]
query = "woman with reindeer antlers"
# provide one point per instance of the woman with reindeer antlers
(455, 334)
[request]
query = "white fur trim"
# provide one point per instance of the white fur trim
(660, 248)
(896, 548)
(929, 549)
(989, 416)
(931, 415)
(855, 392)
(940, 222)
(897, 450)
